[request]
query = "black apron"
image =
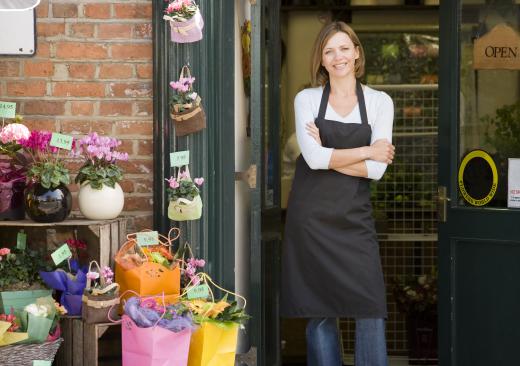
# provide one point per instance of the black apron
(330, 257)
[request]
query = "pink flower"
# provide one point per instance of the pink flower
(199, 181)
(5, 251)
(173, 182)
(14, 132)
(184, 175)
(92, 275)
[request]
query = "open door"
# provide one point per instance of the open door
(479, 236)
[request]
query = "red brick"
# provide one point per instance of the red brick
(143, 31)
(144, 108)
(81, 50)
(133, 203)
(71, 89)
(39, 124)
(9, 68)
(83, 30)
(73, 165)
(82, 108)
(64, 10)
(82, 71)
(84, 127)
(49, 29)
(133, 11)
(26, 88)
(111, 31)
(127, 186)
(43, 49)
(136, 166)
(41, 107)
(134, 90)
(142, 222)
(133, 128)
(132, 51)
(38, 68)
(115, 71)
(115, 109)
(143, 185)
(127, 146)
(145, 147)
(42, 10)
(97, 11)
(144, 71)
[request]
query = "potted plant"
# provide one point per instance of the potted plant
(100, 196)
(47, 198)
(185, 105)
(416, 297)
(20, 282)
(186, 22)
(100, 295)
(12, 170)
(184, 196)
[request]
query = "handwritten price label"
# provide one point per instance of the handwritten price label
(60, 254)
(198, 292)
(147, 238)
(179, 158)
(21, 240)
(61, 141)
(41, 363)
(7, 109)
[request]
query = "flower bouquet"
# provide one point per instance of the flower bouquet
(47, 199)
(12, 170)
(185, 105)
(100, 295)
(100, 196)
(186, 22)
(184, 196)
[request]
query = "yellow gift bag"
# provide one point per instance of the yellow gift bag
(139, 270)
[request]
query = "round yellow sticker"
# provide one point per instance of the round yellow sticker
(492, 189)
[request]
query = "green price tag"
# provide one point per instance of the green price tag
(61, 141)
(21, 240)
(180, 158)
(60, 254)
(41, 363)
(198, 292)
(7, 110)
(147, 238)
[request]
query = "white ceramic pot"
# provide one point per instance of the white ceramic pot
(101, 204)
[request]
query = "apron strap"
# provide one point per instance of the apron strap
(361, 103)
(324, 101)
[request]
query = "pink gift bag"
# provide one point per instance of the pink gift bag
(154, 346)
(188, 31)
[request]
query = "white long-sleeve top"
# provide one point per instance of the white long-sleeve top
(380, 112)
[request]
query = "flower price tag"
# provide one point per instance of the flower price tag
(41, 363)
(147, 238)
(198, 292)
(7, 109)
(61, 141)
(60, 254)
(21, 240)
(179, 158)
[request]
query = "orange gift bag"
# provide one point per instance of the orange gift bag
(149, 270)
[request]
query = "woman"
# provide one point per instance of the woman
(330, 265)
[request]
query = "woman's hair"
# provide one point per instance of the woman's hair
(319, 75)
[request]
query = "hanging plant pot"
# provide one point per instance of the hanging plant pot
(101, 204)
(191, 119)
(184, 210)
(47, 205)
(11, 200)
(188, 31)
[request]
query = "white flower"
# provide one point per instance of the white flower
(37, 310)
(421, 280)
(193, 96)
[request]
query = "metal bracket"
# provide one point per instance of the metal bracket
(442, 201)
(248, 358)
(249, 176)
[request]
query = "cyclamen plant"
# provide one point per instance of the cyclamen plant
(11, 135)
(183, 187)
(101, 157)
(181, 10)
(184, 97)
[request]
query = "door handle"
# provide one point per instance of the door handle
(442, 203)
(249, 176)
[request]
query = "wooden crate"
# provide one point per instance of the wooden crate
(89, 344)
(103, 237)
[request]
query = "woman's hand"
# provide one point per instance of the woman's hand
(382, 150)
(314, 132)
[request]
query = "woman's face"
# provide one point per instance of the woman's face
(339, 55)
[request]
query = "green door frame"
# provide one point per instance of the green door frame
(212, 151)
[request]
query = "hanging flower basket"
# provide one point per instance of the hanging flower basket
(186, 22)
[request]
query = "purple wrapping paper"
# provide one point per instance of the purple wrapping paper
(72, 290)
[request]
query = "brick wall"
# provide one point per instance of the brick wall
(92, 72)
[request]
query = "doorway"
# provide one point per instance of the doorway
(401, 45)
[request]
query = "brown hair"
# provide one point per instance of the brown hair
(319, 75)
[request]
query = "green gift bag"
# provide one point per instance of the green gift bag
(183, 209)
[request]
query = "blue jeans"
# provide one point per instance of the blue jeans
(323, 348)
